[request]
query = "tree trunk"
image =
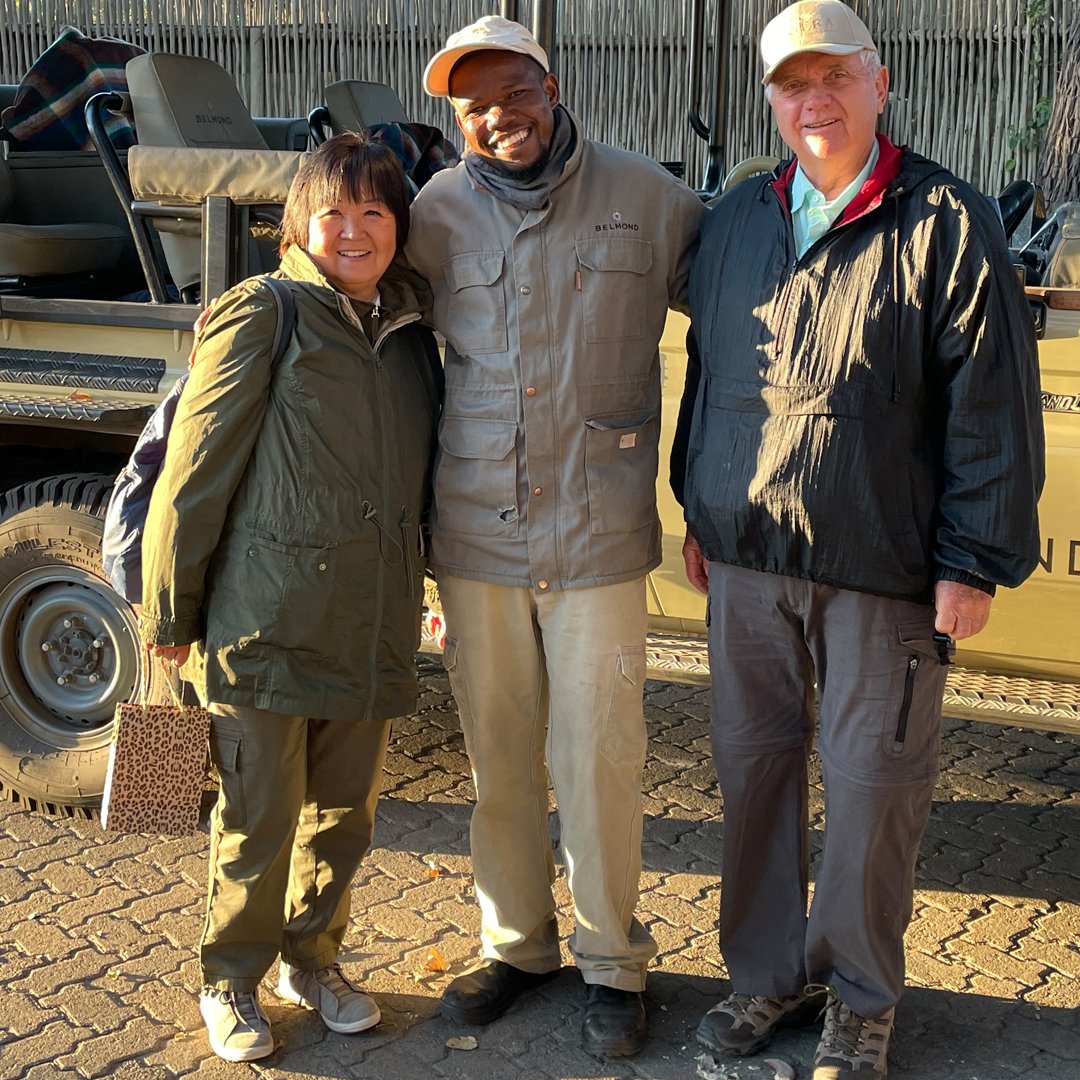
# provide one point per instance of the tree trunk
(1061, 161)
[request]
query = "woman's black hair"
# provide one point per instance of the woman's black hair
(349, 165)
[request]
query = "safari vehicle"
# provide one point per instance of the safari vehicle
(88, 347)
(97, 306)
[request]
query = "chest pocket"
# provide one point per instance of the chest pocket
(473, 308)
(614, 290)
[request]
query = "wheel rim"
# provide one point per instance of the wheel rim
(69, 652)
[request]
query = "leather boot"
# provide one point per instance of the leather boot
(615, 1023)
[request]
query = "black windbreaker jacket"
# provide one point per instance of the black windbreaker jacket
(868, 415)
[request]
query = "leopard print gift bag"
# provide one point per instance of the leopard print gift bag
(157, 768)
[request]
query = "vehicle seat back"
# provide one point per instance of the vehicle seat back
(187, 101)
(1064, 269)
(34, 251)
(355, 105)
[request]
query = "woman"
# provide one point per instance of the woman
(282, 550)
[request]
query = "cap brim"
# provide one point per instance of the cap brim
(832, 50)
(437, 73)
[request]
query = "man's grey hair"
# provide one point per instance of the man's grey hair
(871, 61)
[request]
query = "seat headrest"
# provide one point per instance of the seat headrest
(355, 105)
(188, 101)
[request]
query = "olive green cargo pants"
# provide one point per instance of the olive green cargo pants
(294, 818)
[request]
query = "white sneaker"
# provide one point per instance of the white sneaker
(341, 1005)
(238, 1029)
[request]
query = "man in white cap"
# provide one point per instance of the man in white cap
(859, 456)
(553, 260)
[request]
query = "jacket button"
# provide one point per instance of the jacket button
(541, 584)
(530, 391)
(322, 566)
(525, 290)
(251, 553)
(538, 491)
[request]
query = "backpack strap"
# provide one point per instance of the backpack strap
(286, 311)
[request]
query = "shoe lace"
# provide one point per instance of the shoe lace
(751, 1008)
(333, 980)
(245, 1006)
(852, 1037)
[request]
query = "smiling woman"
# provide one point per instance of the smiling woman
(349, 209)
(282, 547)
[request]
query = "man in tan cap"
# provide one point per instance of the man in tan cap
(859, 456)
(553, 260)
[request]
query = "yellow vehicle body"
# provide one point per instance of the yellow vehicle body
(1034, 630)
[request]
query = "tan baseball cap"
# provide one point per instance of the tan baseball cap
(489, 32)
(826, 26)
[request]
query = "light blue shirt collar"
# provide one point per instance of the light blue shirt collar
(812, 215)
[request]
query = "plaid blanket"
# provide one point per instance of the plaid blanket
(422, 149)
(47, 113)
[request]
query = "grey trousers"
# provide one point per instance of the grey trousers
(562, 671)
(294, 818)
(879, 687)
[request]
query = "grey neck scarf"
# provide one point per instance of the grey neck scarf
(527, 189)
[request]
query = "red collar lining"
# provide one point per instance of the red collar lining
(868, 197)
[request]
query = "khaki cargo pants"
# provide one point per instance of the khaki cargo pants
(563, 670)
(293, 820)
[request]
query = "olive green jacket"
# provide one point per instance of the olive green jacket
(283, 535)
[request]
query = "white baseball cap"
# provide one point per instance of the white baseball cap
(826, 26)
(489, 32)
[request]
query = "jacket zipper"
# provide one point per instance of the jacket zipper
(380, 577)
(905, 704)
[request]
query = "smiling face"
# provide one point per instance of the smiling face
(504, 106)
(352, 242)
(826, 110)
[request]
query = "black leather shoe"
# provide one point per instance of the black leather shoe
(614, 1024)
(486, 991)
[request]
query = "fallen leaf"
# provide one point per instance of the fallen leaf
(78, 395)
(782, 1069)
(435, 960)
(462, 1042)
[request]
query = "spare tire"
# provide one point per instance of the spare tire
(69, 646)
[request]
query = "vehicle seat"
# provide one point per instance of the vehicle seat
(355, 105)
(34, 251)
(1064, 269)
(186, 101)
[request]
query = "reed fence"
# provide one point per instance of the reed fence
(971, 79)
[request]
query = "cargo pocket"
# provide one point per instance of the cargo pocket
(473, 315)
(308, 615)
(625, 737)
(456, 675)
(225, 749)
(912, 729)
(476, 477)
(613, 287)
(621, 461)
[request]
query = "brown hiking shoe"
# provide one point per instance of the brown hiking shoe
(743, 1023)
(852, 1047)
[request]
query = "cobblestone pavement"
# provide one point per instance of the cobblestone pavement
(98, 971)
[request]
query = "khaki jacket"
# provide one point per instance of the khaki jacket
(283, 532)
(545, 472)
